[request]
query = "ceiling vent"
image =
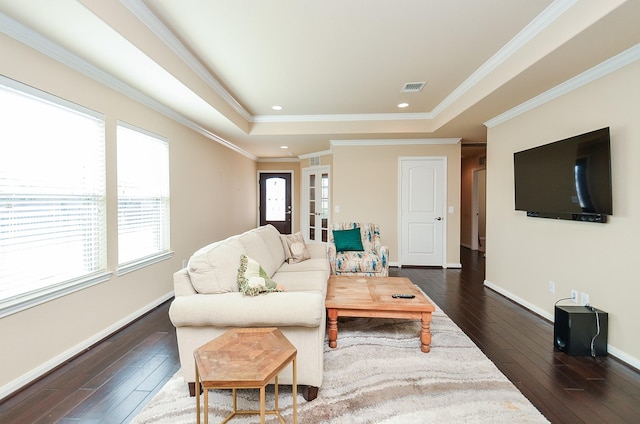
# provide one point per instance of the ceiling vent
(314, 161)
(413, 87)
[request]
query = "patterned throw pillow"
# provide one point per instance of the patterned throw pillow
(253, 280)
(295, 248)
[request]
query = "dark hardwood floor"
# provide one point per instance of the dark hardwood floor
(566, 389)
(111, 382)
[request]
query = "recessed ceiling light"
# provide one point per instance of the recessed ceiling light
(284, 147)
(276, 107)
(403, 105)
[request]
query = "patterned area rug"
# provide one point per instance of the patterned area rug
(378, 374)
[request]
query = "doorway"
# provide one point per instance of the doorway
(422, 211)
(275, 202)
(314, 221)
(478, 210)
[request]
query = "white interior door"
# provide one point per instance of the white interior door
(422, 211)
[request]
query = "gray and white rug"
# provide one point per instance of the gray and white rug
(378, 374)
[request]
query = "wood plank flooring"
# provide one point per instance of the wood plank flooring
(109, 383)
(566, 389)
(112, 381)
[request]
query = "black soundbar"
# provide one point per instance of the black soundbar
(584, 217)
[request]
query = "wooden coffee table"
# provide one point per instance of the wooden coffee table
(370, 297)
(244, 358)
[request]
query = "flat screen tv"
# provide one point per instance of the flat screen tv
(568, 179)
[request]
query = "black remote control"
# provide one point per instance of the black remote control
(403, 296)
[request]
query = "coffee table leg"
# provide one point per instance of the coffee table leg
(262, 404)
(425, 332)
(333, 327)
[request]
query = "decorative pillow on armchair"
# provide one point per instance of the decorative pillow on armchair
(253, 280)
(295, 248)
(348, 240)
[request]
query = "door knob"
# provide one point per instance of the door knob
(439, 218)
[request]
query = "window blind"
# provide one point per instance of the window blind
(52, 191)
(143, 196)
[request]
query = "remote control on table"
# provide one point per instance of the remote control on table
(403, 296)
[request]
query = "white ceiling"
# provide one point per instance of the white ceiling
(335, 66)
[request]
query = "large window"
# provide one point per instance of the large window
(143, 198)
(52, 197)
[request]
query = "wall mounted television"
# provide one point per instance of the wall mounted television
(567, 179)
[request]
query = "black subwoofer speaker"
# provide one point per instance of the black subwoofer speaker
(580, 330)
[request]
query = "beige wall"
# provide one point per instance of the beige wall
(524, 254)
(296, 189)
(365, 186)
(213, 195)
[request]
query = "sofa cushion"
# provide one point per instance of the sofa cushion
(252, 278)
(216, 270)
(295, 247)
(314, 280)
(348, 240)
(256, 248)
(358, 262)
(313, 264)
(271, 237)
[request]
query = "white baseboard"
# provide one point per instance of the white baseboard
(46, 367)
(451, 265)
(612, 350)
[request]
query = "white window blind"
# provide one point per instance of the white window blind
(52, 195)
(143, 197)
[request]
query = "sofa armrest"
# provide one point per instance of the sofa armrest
(286, 309)
(383, 254)
(332, 253)
(182, 283)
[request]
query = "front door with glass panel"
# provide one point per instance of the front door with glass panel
(315, 204)
(275, 201)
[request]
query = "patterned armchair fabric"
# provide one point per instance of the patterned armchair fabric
(372, 262)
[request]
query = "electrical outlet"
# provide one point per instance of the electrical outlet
(584, 299)
(552, 287)
(574, 296)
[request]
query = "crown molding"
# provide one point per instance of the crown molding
(276, 160)
(47, 47)
(611, 65)
(342, 117)
(315, 154)
(395, 142)
(148, 18)
(543, 20)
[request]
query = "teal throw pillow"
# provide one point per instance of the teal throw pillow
(348, 240)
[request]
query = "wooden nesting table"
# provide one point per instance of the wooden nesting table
(370, 297)
(244, 358)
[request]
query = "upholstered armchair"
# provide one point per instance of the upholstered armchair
(356, 249)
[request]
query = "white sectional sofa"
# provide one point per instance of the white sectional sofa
(208, 301)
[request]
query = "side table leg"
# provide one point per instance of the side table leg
(295, 392)
(197, 396)
(262, 404)
(333, 327)
(275, 388)
(206, 406)
(425, 332)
